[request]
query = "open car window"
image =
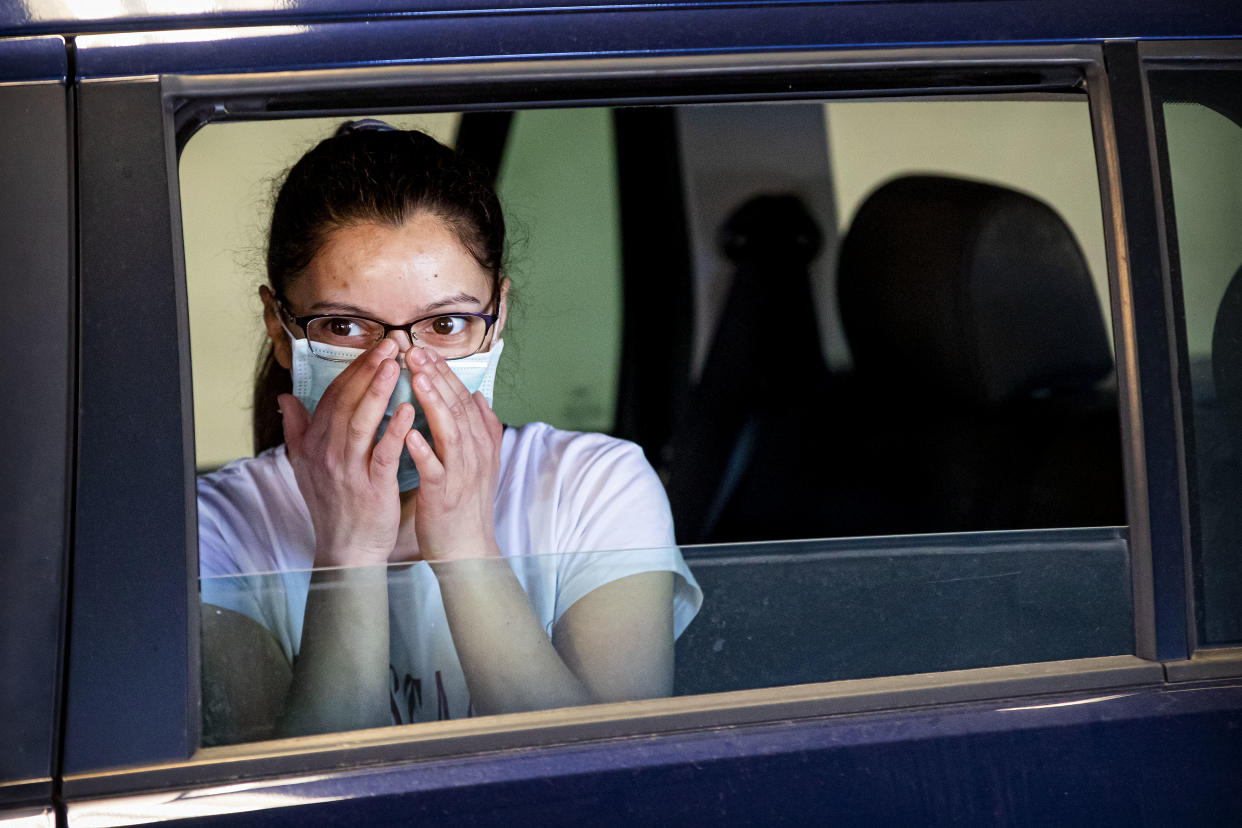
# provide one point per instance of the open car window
(862, 351)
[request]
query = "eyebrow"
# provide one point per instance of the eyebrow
(456, 299)
(354, 310)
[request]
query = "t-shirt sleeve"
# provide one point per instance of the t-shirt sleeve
(615, 521)
(223, 540)
(234, 570)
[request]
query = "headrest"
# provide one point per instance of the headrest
(1227, 352)
(771, 229)
(975, 291)
(767, 334)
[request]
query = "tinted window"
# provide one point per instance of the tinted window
(1203, 143)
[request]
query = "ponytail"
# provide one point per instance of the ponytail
(271, 380)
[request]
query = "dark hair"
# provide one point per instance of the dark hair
(368, 172)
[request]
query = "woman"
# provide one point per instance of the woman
(384, 311)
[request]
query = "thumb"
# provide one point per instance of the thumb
(294, 419)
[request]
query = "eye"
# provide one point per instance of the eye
(342, 327)
(452, 334)
(449, 325)
(348, 331)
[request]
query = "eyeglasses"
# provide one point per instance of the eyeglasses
(451, 335)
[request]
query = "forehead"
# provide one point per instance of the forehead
(391, 270)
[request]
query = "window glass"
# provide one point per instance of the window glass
(772, 615)
(1041, 147)
(1203, 138)
(898, 362)
(557, 181)
(938, 358)
(559, 190)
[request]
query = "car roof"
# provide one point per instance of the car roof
(842, 22)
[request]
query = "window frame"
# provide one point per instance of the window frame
(1202, 661)
(118, 594)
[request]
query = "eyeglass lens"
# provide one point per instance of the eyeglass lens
(451, 336)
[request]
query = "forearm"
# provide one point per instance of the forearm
(340, 676)
(508, 660)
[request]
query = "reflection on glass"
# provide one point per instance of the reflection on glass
(809, 611)
(774, 614)
(440, 655)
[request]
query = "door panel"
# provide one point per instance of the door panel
(36, 325)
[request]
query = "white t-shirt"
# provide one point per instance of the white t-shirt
(573, 511)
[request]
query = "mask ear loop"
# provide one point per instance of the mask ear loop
(281, 313)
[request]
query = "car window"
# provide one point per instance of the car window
(1201, 115)
(558, 186)
(888, 441)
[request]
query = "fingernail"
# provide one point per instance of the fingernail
(387, 368)
(422, 382)
(387, 348)
(419, 355)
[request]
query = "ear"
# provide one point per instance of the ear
(281, 347)
(503, 312)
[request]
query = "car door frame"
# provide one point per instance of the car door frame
(119, 598)
(37, 374)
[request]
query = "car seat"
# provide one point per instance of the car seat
(981, 362)
(753, 415)
(981, 393)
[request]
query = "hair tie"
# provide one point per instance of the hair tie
(364, 125)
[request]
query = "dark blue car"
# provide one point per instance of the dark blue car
(928, 314)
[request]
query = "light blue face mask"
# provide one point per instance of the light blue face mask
(312, 374)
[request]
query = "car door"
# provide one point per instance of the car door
(953, 742)
(36, 440)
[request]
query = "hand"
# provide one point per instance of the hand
(349, 481)
(457, 481)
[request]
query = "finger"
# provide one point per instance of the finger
(341, 398)
(294, 420)
(491, 422)
(430, 469)
(349, 386)
(369, 413)
(387, 452)
(453, 391)
(446, 429)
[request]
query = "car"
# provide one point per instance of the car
(927, 315)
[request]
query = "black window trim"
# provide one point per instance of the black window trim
(37, 375)
(1203, 660)
(515, 84)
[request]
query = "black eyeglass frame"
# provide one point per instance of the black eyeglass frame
(302, 322)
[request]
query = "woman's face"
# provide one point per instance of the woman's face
(392, 274)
